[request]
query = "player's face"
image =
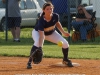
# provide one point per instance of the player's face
(48, 10)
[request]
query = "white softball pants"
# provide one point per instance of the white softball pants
(54, 38)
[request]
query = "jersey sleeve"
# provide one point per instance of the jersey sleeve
(57, 17)
(41, 25)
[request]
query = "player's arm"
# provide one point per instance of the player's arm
(59, 26)
(41, 38)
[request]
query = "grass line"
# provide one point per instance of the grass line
(78, 50)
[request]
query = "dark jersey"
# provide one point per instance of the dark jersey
(81, 16)
(47, 27)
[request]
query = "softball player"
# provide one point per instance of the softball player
(45, 30)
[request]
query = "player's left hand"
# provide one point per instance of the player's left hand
(66, 34)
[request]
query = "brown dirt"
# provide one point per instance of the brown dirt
(17, 66)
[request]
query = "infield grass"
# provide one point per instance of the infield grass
(78, 50)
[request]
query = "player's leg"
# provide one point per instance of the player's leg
(35, 36)
(39, 51)
(29, 66)
(65, 47)
(33, 52)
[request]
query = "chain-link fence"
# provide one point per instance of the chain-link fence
(80, 20)
(68, 12)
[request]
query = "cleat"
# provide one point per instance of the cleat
(29, 66)
(68, 63)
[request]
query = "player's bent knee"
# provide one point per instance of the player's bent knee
(65, 44)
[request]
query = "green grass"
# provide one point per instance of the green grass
(78, 50)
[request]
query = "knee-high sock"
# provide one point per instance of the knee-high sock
(32, 50)
(65, 53)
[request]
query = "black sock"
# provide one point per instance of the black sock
(65, 54)
(32, 50)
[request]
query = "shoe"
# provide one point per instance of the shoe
(29, 66)
(16, 40)
(68, 63)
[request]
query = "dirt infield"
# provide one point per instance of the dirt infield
(17, 66)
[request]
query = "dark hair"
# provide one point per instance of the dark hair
(45, 5)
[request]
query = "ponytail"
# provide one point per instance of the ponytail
(41, 15)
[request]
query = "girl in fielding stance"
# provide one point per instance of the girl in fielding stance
(45, 30)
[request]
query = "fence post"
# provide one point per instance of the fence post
(6, 20)
(68, 3)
